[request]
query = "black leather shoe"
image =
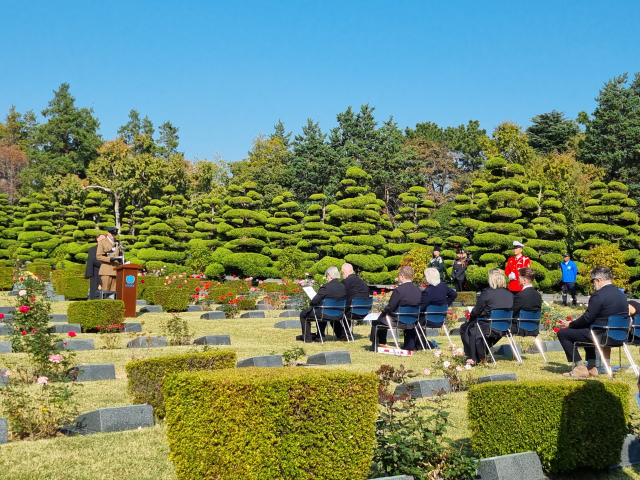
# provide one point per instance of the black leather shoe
(300, 338)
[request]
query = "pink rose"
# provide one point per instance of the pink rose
(24, 309)
(55, 358)
(427, 371)
(43, 380)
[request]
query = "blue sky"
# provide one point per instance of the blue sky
(226, 71)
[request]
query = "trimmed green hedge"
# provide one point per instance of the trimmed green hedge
(73, 288)
(96, 313)
(257, 423)
(146, 376)
(41, 269)
(246, 304)
(172, 299)
(6, 278)
(570, 424)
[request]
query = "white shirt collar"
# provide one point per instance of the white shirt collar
(527, 286)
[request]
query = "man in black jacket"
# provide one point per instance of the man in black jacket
(332, 289)
(356, 288)
(528, 298)
(405, 294)
(93, 269)
(606, 301)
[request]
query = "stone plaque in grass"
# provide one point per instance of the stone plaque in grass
(6, 329)
(65, 328)
(58, 317)
(547, 346)
(115, 419)
(505, 349)
(76, 344)
(213, 316)
(91, 373)
(290, 314)
(523, 466)
(432, 332)
(5, 347)
(6, 310)
(338, 357)
(147, 342)
(213, 340)
(499, 377)
(454, 331)
(7, 317)
(261, 361)
(253, 314)
(4, 378)
(630, 452)
(151, 309)
(263, 308)
(397, 477)
(4, 431)
(425, 388)
(288, 324)
(56, 298)
(194, 308)
(132, 327)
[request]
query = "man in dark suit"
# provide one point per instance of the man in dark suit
(332, 289)
(528, 298)
(405, 294)
(356, 288)
(606, 301)
(93, 269)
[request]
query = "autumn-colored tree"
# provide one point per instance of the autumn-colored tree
(12, 161)
(509, 142)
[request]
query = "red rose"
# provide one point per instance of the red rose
(197, 289)
(141, 281)
(569, 318)
(556, 329)
(1, 316)
(24, 309)
(99, 328)
(34, 330)
(230, 293)
(233, 277)
(23, 333)
(32, 299)
(179, 286)
(72, 334)
(547, 315)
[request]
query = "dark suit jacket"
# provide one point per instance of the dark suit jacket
(334, 290)
(528, 299)
(603, 303)
(438, 295)
(356, 288)
(405, 294)
(492, 299)
(93, 265)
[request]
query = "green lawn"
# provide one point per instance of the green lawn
(143, 454)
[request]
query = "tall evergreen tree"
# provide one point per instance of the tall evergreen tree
(551, 131)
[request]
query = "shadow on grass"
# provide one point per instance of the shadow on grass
(588, 474)
(556, 367)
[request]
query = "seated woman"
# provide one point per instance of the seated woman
(436, 293)
(494, 297)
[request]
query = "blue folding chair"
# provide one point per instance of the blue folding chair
(528, 325)
(435, 316)
(329, 310)
(634, 339)
(360, 307)
(614, 334)
(405, 315)
(499, 320)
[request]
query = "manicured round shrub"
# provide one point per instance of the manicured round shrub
(214, 271)
(172, 299)
(249, 264)
(370, 263)
(92, 314)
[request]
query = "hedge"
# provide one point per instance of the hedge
(254, 423)
(570, 424)
(466, 298)
(6, 278)
(172, 299)
(73, 288)
(40, 269)
(146, 376)
(96, 313)
(246, 304)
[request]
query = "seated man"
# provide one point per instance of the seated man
(332, 289)
(356, 288)
(405, 294)
(528, 298)
(607, 300)
(435, 293)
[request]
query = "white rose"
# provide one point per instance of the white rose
(446, 364)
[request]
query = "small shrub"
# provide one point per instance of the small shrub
(43, 270)
(73, 288)
(281, 421)
(214, 271)
(290, 263)
(146, 376)
(246, 304)
(172, 299)
(6, 278)
(466, 298)
(92, 314)
(570, 424)
(608, 255)
(177, 330)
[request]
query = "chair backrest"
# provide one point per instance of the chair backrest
(332, 307)
(436, 314)
(618, 327)
(361, 306)
(408, 314)
(501, 319)
(529, 321)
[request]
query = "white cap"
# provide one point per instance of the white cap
(517, 244)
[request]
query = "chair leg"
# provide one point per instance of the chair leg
(418, 329)
(348, 331)
(426, 339)
(636, 370)
(487, 345)
(446, 332)
(395, 339)
(319, 332)
(607, 367)
(514, 348)
(539, 345)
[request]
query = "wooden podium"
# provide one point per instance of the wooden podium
(127, 287)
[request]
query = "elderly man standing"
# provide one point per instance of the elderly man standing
(107, 251)
(606, 301)
(332, 289)
(93, 269)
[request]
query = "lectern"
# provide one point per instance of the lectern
(127, 287)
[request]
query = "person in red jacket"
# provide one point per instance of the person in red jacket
(515, 263)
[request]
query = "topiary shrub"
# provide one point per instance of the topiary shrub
(569, 424)
(172, 299)
(6, 278)
(96, 313)
(146, 376)
(214, 271)
(73, 288)
(256, 423)
(41, 269)
(246, 304)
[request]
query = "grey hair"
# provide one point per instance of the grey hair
(432, 276)
(332, 272)
(603, 273)
(496, 278)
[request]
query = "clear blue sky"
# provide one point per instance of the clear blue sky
(226, 71)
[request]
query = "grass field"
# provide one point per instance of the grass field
(143, 454)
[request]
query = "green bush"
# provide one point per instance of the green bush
(6, 278)
(253, 423)
(370, 263)
(246, 304)
(146, 376)
(73, 288)
(41, 269)
(96, 313)
(214, 271)
(570, 424)
(172, 299)
(248, 264)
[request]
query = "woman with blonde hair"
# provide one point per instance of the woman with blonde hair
(494, 297)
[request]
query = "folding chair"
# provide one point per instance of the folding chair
(528, 325)
(330, 310)
(359, 306)
(499, 320)
(615, 334)
(407, 315)
(435, 316)
(634, 339)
